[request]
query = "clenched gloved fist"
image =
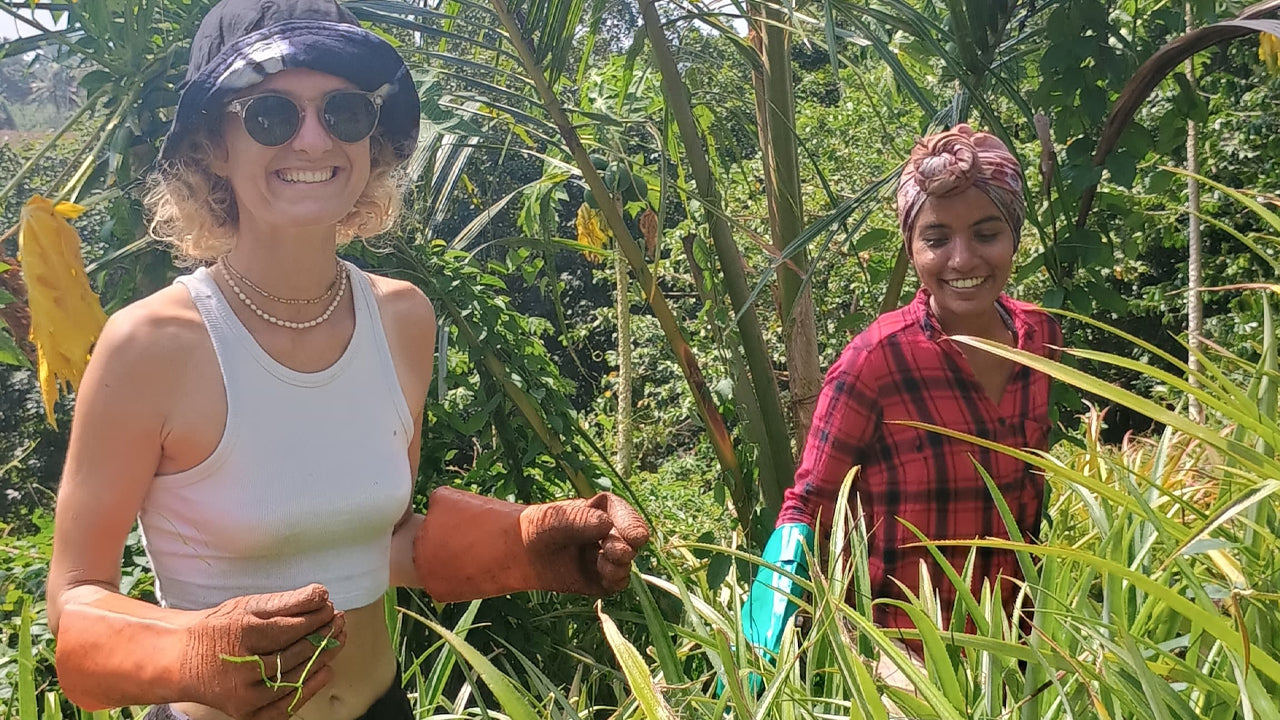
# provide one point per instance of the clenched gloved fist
(583, 546)
(470, 546)
(284, 631)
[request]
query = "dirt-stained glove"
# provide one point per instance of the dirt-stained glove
(470, 546)
(263, 656)
(258, 657)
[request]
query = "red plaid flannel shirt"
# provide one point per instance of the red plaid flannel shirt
(903, 368)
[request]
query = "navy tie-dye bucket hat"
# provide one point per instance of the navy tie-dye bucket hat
(241, 42)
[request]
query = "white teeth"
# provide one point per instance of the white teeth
(966, 283)
(306, 176)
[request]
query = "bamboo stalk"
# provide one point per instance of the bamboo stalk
(731, 264)
(718, 434)
(775, 111)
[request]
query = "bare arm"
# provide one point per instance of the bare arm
(115, 447)
(410, 323)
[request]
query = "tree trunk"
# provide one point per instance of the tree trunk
(1195, 304)
(775, 117)
(676, 94)
(623, 305)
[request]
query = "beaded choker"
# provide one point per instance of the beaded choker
(341, 280)
(337, 275)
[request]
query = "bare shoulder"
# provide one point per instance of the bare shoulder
(404, 308)
(162, 328)
(148, 349)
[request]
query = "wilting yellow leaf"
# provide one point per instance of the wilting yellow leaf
(1269, 51)
(66, 316)
(591, 230)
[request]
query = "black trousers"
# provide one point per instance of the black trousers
(393, 705)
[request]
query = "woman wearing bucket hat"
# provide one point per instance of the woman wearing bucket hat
(960, 210)
(261, 417)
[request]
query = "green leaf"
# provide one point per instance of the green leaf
(500, 685)
(636, 671)
(10, 353)
(1053, 298)
(1123, 167)
(660, 634)
(873, 239)
(718, 570)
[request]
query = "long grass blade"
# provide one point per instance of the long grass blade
(636, 671)
(508, 697)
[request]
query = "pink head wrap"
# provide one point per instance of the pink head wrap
(950, 162)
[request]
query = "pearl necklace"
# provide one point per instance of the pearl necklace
(342, 288)
(337, 275)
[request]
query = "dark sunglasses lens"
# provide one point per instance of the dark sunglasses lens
(271, 120)
(350, 116)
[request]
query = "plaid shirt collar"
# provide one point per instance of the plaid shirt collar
(921, 313)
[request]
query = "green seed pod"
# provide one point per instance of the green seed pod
(626, 181)
(639, 190)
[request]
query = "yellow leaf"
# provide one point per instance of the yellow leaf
(591, 230)
(1269, 51)
(66, 316)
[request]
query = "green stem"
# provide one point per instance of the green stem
(717, 432)
(775, 108)
(759, 361)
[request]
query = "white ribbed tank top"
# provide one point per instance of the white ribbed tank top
(310, 476)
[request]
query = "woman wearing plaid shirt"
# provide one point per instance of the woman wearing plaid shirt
(960, 209)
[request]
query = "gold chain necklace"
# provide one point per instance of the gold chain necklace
(342, 288)
(337, 275)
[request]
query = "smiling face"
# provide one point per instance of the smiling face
(313, 180)
(962, 250)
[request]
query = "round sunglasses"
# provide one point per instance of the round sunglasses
(272, 119)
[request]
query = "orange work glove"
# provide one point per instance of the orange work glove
(471, 546)
(275, 628)
(116, 651)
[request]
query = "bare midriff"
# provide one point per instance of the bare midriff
(362, 672)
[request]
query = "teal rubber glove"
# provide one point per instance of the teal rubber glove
(768, 608)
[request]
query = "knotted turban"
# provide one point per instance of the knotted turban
(950, 162)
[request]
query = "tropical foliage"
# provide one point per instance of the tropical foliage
(647, 227)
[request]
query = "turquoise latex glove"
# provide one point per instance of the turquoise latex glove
(768, 609)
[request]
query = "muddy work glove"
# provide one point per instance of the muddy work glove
(252, 656)
(471, 546)
(246, 657)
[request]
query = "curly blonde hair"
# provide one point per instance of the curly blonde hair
(194, 210)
